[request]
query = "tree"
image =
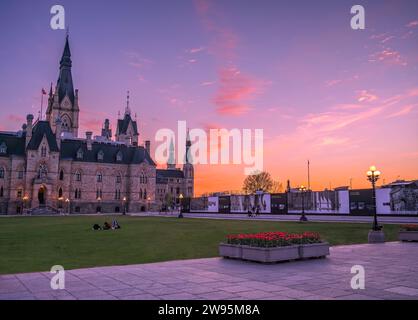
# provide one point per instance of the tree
(259, 181)
(168, 200)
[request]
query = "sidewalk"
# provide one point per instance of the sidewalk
(390, 274)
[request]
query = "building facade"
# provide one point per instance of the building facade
(47, 168)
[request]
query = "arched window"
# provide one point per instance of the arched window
(20, 173)
(145, 194)
(43, 152)
(1, 173)
(76, 194)
(99, 177)
(62, 174)
(78, 176)
(1, 192)
(60, 193)
(118, 178)
(140, 193)
(79, 193)
(42, 171)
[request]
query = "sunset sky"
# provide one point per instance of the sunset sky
(344, 99)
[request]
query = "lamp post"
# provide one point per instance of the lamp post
(99, 199)
(60, 200)
(373, 176)
(67, 201)
(376, 234)
(25, 201)
(124, 205)
(181, 205)
(302, 189)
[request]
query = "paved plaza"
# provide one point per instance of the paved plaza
(390, 274)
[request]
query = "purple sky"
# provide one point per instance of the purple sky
(294, 68)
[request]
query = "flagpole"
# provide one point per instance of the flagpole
(309, 178)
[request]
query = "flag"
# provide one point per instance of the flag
(43, 91)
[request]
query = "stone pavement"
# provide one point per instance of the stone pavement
(391, 273)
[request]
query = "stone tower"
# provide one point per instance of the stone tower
(63, 103)
(188, 169)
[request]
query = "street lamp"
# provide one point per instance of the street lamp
(376, 234)
(99, 199)
(25, 201)
(124, 205)
(67, 201)
(181, 205)
(373, 176)
(302, 189)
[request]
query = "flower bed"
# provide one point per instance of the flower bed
(274, 246)
(408, 232)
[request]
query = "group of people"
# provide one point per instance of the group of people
(107, 226)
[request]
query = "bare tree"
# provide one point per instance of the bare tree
(259, 181)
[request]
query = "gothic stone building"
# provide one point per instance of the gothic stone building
(47, 168)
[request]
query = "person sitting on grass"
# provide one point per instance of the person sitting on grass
(97, 227)
(115, 225)
(106, 226)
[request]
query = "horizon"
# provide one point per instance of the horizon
(342, 99)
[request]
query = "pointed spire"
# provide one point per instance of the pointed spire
(50, 91)
(66, 55)
(171, 162)
(127, 109)
(188, 157)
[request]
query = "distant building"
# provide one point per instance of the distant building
(47, 168)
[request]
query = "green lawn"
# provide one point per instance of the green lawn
(37, 243)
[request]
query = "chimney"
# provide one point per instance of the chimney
(148, 146)
(89, 134)
(29, 128)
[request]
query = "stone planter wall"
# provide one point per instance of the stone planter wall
(270, 254)
(408, 236)
(314, 250)
(230, 251)
(274, 254)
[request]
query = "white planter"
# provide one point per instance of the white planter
(314, 250)
(273, 254)
(230, 251)
(408, 235)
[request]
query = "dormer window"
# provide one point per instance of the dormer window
(80, 154)
(100, 155)
(3, 148)
(119, 156)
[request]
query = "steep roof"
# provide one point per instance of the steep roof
(41, 129)
(130, 155)
(123, 125)
(15, 144)
(65, 80)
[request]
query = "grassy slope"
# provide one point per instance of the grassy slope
(37, 243)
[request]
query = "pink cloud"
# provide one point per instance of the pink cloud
(235, 89)
(388, 56)
(404, 111)
(366, 96)
(412, 24)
